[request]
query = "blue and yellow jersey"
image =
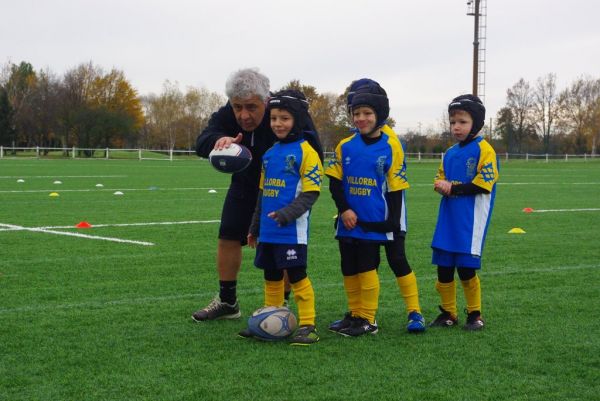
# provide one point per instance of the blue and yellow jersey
(463, 220)
(367, 173)
(288, 170)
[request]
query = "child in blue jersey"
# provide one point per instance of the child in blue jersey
(366, 182)
(395, 250)
(290, 184)
(466, 180)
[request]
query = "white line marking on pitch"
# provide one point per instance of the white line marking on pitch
(109, 189)
(63, 176)
(69, 234)
(565, 210)
(157, 223)
(151, 300)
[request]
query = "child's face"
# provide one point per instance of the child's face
(460, 124)
(282, 122)
(365, 119)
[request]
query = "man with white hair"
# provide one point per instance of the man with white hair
(242, 120)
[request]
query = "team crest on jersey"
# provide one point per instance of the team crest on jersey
(380, 166)
(347, 160)
(487, 172)
(471, 167)
(290, 161)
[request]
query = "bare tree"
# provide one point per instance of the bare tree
(545, 108)
(519, 99)
(580, 113)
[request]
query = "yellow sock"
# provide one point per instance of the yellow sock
(472, 289)
(352, 287)
(304, 296)
(448, 294)
(409, 291)
(369, 294)
(274, 293)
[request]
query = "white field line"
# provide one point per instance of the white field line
(566, 210)
(69, 234)
(157, 223)
(520, 183)
(56, 189)
(63, 176)
(151, 300)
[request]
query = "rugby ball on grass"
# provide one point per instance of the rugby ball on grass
(230, 160)
(272, 323)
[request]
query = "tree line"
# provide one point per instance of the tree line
(88, 107)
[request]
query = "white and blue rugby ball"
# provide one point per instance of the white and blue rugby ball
(272, 323)
(230, 160)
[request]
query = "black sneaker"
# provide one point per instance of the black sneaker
(217, 310)
(305, 335)
(342, 323)
(474, 321)
(358, 327)
(444, 319)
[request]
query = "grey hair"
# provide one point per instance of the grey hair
(246, 83)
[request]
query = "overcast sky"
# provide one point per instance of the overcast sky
(419, 51)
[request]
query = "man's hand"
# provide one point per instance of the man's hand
(226, 141)
(251, 241)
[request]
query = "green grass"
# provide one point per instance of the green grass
(84, 319)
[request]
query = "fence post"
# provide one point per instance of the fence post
(1, 152)
(171, 154)
(546, 157)
(140, 153)
(73, 152)
(506, 158)
(37, 152)
(419, 156)
(106, 154)
(526, 157)
(584, 156)
(566, 157)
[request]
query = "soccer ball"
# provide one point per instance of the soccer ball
(230, 160)
(272, 323)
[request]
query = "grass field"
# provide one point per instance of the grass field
(96, 319)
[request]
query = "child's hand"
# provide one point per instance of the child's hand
(349, 219)
(443, 187)
(251, 241)
(275, 216)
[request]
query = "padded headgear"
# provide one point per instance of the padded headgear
(296, 104)
(374, 96)
(472, 105)
(355, 85)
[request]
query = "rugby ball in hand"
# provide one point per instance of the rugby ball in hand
(230, 160)
(272, 323)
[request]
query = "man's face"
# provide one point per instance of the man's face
(248, 112)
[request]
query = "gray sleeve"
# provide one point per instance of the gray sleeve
(297, 208)
(255, 222)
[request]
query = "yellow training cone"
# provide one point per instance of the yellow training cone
(54, 194)
(516, 230)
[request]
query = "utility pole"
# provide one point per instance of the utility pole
(478, 9)
(475, 46)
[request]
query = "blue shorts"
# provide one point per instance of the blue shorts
(280, 256)
(455, 259)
